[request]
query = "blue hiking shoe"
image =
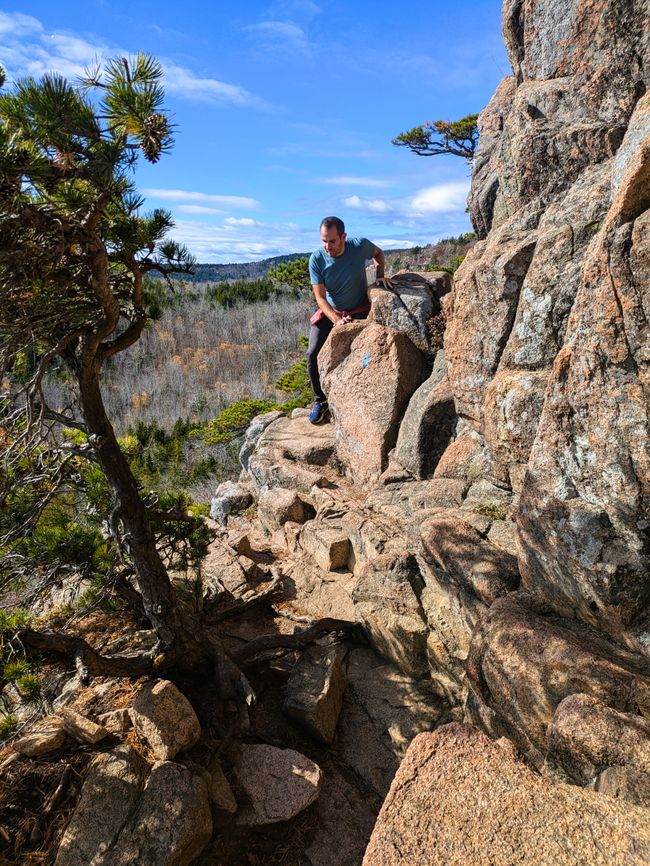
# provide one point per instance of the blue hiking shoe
(319, 412)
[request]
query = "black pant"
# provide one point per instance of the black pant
(317, 336)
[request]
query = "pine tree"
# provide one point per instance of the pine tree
(75, 248)
(456, 137)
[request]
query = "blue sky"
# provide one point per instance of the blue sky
(286, 109)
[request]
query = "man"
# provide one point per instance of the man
(338, 277)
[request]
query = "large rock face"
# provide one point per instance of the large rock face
(547, 340)
(524, 661)
(369, 373)
(408, 307)
(459, 798)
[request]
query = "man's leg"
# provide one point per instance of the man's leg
(317, 336)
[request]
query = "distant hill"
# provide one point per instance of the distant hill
(238, 270)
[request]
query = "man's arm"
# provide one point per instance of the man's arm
(380, 261)
(323, 304)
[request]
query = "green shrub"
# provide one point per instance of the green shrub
(30, 688)
(234, 420)
(20, 618)
(14, 670)
(8, 725)
(240, 292)
(294, 274)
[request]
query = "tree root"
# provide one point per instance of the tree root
(88, 662)
(254, 649)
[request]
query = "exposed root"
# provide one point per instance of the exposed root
(259, 647)
(88, 662)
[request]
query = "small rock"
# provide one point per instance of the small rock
(503, 533)
(44, 737)
(625, 783)
(116, 721)
(248, 566)
(229, 498)
(165, 718)
(330, 549)
(108, 797)
(173, 823)
(314, 695)
(408, 307)
(586, 736)
(277, 506)
(220, 791)
(68, 690)
(82, 729)
(279, 784)
(288, 536)
(240, 542)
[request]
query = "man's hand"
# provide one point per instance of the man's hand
(342, 320)
(385, 283)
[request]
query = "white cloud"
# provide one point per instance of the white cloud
(387, 243)
(243, 221)
(18, 24)
(281, 37)
(345, 180)
(228, 243)
(26, 49)
(373, 205)
(442, 198)
(182, 195)
(185, 83)
(198, 209)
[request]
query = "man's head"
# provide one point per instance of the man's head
(332, 235)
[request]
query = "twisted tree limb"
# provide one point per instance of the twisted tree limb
(299, 640)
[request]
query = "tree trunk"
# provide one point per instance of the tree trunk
(152, 577)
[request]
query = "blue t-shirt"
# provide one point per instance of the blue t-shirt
(344, 276)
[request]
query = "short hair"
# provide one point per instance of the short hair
(333, 223)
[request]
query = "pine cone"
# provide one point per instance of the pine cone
(156, 129)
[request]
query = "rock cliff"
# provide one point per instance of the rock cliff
(548, 337)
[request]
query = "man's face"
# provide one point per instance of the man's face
(333, 242)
